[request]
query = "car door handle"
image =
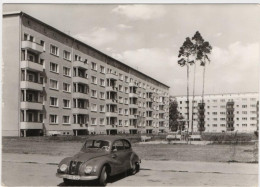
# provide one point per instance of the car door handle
(114, 156)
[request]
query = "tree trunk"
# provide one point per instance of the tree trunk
(203, 85)
(188, 116)
(193, 96)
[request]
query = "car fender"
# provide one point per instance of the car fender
(99, 163)
(65, 161)
(133, 159)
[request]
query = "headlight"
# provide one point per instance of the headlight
(88, 169)
(63, 167)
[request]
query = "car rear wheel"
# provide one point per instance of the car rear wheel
(103, 177)
(135, 168)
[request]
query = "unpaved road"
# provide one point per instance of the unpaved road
(39, 170)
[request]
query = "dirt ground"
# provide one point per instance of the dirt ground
(178, 152)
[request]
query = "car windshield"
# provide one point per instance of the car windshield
(96, 145)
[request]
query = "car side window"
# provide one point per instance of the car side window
(118, 145)
(127, 145)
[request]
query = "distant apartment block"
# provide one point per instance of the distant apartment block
(222, 112)
(56, 84)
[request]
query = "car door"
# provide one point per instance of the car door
(118, 156)
(128, 152)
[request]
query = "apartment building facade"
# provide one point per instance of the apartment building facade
(222, 112)
(54, 83)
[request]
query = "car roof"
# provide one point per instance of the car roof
(108, 138)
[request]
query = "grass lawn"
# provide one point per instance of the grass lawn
(71, 145)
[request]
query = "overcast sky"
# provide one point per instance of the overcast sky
(148, 37)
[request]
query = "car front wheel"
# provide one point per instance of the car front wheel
(67, 181)
(103, 177)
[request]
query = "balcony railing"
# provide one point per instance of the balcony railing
(81, 95)
(80, 110)
(31, 125)
(33, 46)
(82, 64)
(134, 95)
(32, 66)
(111, 88)
(31, 85)
(111, 76)
(31, 105)
(80, 79)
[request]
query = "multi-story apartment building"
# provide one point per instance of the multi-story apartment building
(222, 112)
(54, 83)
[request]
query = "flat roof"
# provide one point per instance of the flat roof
(242, 93)
(102, 53)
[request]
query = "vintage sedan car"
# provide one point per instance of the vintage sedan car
(98, 159)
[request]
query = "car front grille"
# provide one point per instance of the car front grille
(74, 167)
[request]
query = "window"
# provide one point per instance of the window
(126, 79)
(42, 43)
(252, 118)
(126, 100)
(78, 58)
(66, 71)
(93, 66)
(252, 99)
(102, 69)
(66, 87)
(244, 112)
(120, 87)
(121, 77)
(66, 119)
(53, 84)
(214, 113)
(93, 121)
(102, 82)
(94, 93)
(244, 106)
(102, 95)
(102, 108)
(93, 107)
(53, 119)
(120, 100)
(66, 103)
(93, 80)
(54, 67)
(126, 90)
(120, 123)
(126, 123)
(54, 50)
(53, 101)
(102, 121)
(120, 111)
(126, 111)
(67, 55)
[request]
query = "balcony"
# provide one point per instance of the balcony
(80, 64)
(78, 126)
(149, 118)
(80, 95)
(32, 66)
(111, 89)
(31, 125)
(133, 116)
(80, 110)
(31, 105)
(132, 84)
(230, 128)
(31, 85)
(149, 109)
(82, 80)
(111, 101)
(35, 47)
(134, 95)
(133, 106)
(111, 114)
(111, 76)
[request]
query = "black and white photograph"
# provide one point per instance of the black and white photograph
(129, 94)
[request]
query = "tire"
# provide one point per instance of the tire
(135, 168)
(67, 181)
(102, 181)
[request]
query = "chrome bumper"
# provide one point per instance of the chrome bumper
(76, 177)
